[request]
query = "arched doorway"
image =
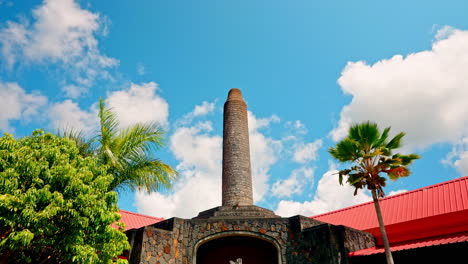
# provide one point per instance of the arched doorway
(251, 250)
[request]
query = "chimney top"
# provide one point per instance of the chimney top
(235, 94)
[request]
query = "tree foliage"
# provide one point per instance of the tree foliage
(55, 204)
(128, 152)
(370, 152)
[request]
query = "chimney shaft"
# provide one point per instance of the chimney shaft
(237, 178)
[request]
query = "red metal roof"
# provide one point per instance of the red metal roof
(134, 220)
(449, 239)
(443, 198)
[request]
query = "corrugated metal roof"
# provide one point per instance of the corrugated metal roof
(438, 199)
(134, 220)
(454, 238)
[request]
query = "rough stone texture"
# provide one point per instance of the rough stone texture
(298, 239)
(230, 212)
(237, 178)
(328, 244)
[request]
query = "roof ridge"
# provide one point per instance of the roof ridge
(138, 214)
(394, 196)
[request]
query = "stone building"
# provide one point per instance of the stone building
(238, 231)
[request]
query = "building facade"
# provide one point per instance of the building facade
(238, 231)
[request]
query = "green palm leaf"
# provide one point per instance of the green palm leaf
(127, 153)
(372, 156)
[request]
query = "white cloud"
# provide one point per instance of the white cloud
(423, 94)
(139, 103)
(61, 32)
(141, 70)
(458, 157)
(295, 184)
(199, 188)
(203, 109)
(330, 195)
(17, 104)
(462, 163)
(264, 152)
(73, 91)
(444, 32)
(397, 192)
(307, 152)
(68, 115)
(195, 148)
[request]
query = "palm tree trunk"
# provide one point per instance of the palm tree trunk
(388, 253)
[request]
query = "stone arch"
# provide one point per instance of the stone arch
(221, 244)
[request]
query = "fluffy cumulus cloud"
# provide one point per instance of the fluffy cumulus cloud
(423, 94)
(295, 184)
(201, 110)
(458, 157)
(199, 155)
(68, 115)
(139, 103)
(328, 197)
(461, 163)
(264, 152)
(306, 152)
(17, 104)
(60, 32)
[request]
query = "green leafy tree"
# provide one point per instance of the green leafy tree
(128, 153)
(371, 153)
(55, 204)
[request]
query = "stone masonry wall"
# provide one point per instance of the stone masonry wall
(299, 239)
(328, 244)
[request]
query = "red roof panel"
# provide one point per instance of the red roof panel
(454, 238)
(438, 199)
(134, 220)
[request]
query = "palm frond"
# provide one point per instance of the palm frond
(383, 138)
(128, 153)
(151, 174)
(85, 144)
(371, 151)
(108, 124)
(139, 139)
(407, 159)
(346, 150)
(395, 142)
(365, 134)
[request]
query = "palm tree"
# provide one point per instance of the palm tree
(371, 153)
(127, 152)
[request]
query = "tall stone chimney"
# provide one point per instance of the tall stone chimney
(237, 177)
(237, 200)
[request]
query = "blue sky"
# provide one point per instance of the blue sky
(307, 70)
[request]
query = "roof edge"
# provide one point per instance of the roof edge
(142, 215)
(393, 196)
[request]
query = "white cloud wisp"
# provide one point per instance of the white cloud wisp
(61, 33)
(17, 104)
